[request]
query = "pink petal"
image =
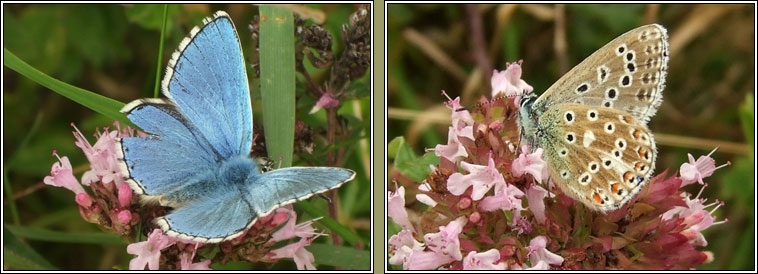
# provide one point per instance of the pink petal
(396, 209)
(538, 253)
(288, 230)
(446, 241)
(124, 195)
(148, 252)
(124, 216)
(186, 264)
(454, 150)
(426, 260)
(509, 82)
(327, 100)
(62, 175)
(482, 178)
(536, 198)
(531, 163)
(401, 246)
(83, 199)
(461, 118)
(507, 198)
(303, 258)
(483, 261)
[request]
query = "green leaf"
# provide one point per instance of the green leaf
(342, 256)
(36, 233)
(277, 60)
(414, 167)
(101, 104)
(18, 255)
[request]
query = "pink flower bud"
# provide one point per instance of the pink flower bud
(83, 199)
(464, 203)
(124, 195)
(279, 218)
(708, 256)
(124, 216)
(474, 217)
(496, 125)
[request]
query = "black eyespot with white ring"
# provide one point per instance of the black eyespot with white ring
(611, 93)
(569, 117)
(609, 127)
(570, 137)
(607, 163)
(621, 49)
(630, 55)
(585, 179)
(594, 167)
(592, 115)
(584, 87)
(625, 81)
(620, 143)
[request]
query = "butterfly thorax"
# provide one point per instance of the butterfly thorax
(527, 120)
(231, 174)
(238, 169)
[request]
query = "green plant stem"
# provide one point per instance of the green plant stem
(160, 53)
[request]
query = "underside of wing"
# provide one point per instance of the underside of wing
(599, 156)
(628, 73)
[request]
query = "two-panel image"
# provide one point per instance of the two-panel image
(378, 137)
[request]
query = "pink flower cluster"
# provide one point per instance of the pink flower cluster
(111, 204)
(491, 202)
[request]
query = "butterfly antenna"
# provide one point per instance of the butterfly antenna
(328, 200)
(478, 105)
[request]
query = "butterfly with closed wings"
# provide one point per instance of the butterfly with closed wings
(592, 123)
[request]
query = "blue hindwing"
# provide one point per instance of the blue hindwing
(280, 187)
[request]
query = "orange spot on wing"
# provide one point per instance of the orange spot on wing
(597, 198)
(637, 133)
(642, 152)
(627, 176)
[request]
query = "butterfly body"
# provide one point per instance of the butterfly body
(230, 174)
(195, 158)
(592, 123)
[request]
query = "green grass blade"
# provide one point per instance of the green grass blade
(160, 53)
(41, 234)
(96, 102)
(349, 236)
(18, 255)
(9, 197)
(277, 61)
(342, 256)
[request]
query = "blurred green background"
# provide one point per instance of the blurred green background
(709, 98)
(113, 50)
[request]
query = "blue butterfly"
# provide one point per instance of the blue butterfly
(195, 159)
